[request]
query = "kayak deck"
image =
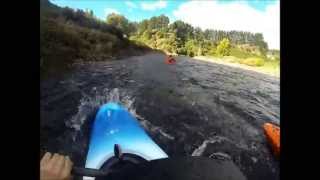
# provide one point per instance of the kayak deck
(115, 125)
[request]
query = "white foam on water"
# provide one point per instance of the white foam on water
(166, 134)
(216, 139)
(199, 151)
(152, 128)
(220, 155)
(90, 103)
(114, 95)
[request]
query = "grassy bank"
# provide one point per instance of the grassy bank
(270, 67)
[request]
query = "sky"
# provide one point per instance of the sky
(256, 16)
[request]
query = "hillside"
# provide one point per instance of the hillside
(68, 35)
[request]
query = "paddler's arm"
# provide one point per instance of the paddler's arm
(55, 167)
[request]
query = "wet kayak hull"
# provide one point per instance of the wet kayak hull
(113, 124)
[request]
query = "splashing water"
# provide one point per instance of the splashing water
(216, 139)
(114, 96)
(90, 104)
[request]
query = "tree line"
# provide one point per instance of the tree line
(182, 38)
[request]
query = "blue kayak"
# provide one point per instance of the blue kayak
(114, 125)
(117, 141)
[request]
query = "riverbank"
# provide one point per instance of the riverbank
(271, 68)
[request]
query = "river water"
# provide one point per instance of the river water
(193, 108)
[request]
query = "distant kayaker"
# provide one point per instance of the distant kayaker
(170, 60)
(55, 167)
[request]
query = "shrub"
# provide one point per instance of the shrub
(211, 52)
(223, 49)
(182, 51)
(61, 43)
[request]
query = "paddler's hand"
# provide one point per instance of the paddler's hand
(55, 167)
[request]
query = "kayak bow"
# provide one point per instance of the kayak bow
(272, 133)
(114, 126)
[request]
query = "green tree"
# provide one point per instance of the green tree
(191, 48)
(120, 22)
(158, 22)
(208, 48)
(198, 34)
(133, 28)
(172, 41)
(223, 48)
(142, 26)
(183, 30)
(259, 41)
(168, 43)
(186, 39)
(89, 13)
